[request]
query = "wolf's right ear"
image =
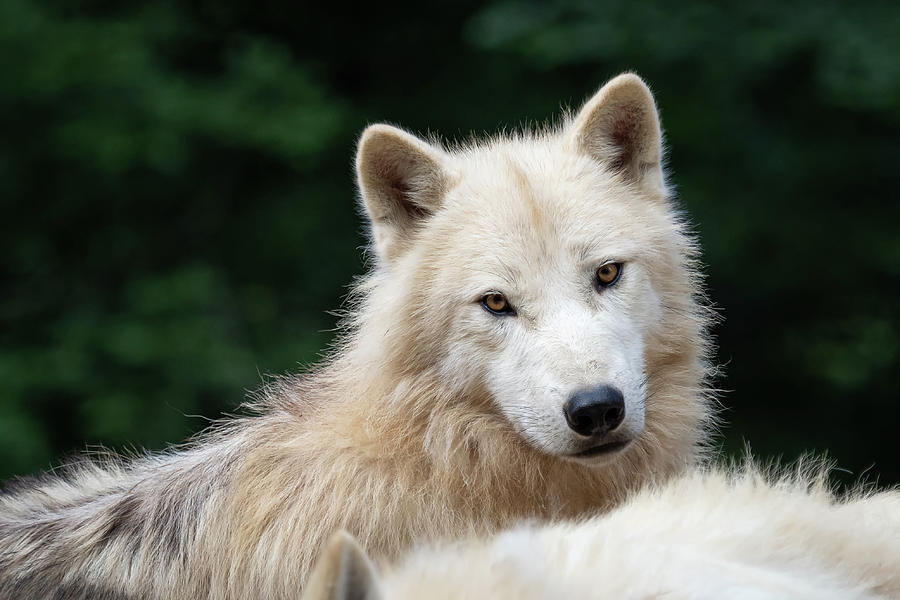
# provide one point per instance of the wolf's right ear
(343, 572)
(402, 180)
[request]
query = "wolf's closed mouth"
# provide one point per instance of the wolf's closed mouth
(602, 449)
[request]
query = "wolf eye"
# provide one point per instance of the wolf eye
(496, 303)
(608, 274)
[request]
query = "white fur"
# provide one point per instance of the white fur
(704, 536)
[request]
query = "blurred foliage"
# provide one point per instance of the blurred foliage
(178, 202)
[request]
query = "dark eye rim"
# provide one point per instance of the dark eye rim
(508, 312)
(620, 266)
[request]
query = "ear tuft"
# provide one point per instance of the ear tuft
(343, 572)
(402, 180)
(619, 127)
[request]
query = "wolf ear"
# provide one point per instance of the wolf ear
(343, 572)
(402, 180)
(619, 127)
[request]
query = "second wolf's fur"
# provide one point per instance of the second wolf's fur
(433, 417)
(745, 535)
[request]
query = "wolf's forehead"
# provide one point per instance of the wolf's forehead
(540, 197)
(522, 170)
(532, 221)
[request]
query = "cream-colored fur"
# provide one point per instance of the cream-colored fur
(432, 418)
(707, 535)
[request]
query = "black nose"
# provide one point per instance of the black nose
(595, 411)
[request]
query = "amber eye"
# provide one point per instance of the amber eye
(496, 303)
(608, 274)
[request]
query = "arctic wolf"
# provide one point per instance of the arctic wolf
(707, 535)
(530, 343)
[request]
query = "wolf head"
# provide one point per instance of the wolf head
(547, 272)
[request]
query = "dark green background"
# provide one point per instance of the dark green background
(178, 205)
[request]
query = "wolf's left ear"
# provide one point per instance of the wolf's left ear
(343, 572)
(402, 180)
(619, 127)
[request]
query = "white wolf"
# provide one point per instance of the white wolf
(704, 536)
(530, 343)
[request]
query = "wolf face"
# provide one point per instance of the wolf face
(535, 268)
